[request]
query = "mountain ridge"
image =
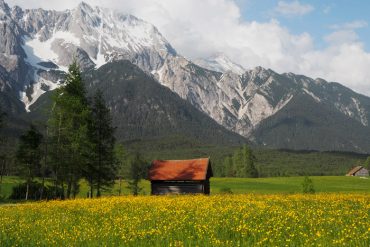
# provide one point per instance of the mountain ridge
(41, 43)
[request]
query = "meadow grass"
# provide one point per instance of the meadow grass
(325, 219)
(277, 185)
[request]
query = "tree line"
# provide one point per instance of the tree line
(241, 163)
(77, 143)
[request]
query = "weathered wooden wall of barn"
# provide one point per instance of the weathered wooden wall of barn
(180, 187)
(362, 173)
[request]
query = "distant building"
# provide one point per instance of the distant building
(358, 171)
(180, 176)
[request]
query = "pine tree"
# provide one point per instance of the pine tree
(228, 166)
(68, 126)
(101, 170)
(29, 155)
(241, 164)
(138, 171)
(249, 169)
(238, 163)
(123, 165)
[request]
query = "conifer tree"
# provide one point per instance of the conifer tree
(238, 163)
(249, 169)
(29, 155)
(123, 165)
(137, 171)
(241, 164)
(228, 166)
(68, 130)
(102, 166)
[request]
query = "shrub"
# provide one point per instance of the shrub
(19, 192)
(307, 186)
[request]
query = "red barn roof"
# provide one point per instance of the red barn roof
(180, 170)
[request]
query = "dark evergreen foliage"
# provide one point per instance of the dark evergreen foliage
(101, 169)
(304, 124)
(68, 124)
(138, 170)
(29, 155)
(36, 192)
(241, 164)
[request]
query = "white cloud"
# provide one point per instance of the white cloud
(293, 8)
(350, 25)
(341, 37)
(201, 28)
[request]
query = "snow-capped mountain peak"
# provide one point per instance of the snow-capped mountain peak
(100, 33)
(92, 35)
(221, 63)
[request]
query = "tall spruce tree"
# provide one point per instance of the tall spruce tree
(249, 168)
(68, 125)
(241, 164)
(229, 167)
(238, 163)
(29, 156)
(102, 166)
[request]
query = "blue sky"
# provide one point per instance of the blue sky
(321, 39)
(318, 22)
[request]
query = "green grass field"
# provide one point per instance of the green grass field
(276, 185)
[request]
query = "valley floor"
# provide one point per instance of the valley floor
(275, 185)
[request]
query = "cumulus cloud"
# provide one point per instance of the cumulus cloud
(294, 8)
(202, 28)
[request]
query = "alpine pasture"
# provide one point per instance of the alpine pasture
(261, 212)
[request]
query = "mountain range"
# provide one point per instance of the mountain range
(268, 109)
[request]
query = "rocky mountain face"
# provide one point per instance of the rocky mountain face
(142, 109)
(220, 63)
(40, 44)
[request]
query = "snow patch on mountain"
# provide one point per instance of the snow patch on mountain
(220, 63)
(38, 88)
(42, 51)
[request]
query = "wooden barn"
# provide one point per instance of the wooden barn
(180, 176)
(358, 171)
